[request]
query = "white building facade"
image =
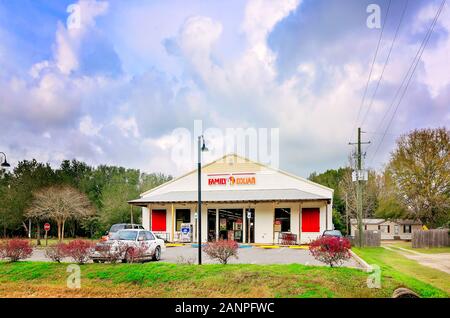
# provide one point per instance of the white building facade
(243, 201)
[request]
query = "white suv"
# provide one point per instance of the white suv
(130, 245)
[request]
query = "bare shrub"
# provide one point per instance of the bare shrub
(222, 250)
(56, 252)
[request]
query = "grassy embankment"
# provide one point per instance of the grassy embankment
(41, 279)
(426, 281)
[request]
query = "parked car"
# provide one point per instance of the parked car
(125, 242)
(120, 226)
(334, 233)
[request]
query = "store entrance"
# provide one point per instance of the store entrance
(231, 224)
(211, 225)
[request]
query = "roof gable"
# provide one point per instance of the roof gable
(233, 163)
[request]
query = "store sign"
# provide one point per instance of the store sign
(232, 179)
(360, 175)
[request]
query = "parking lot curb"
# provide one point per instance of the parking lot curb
(366, 267)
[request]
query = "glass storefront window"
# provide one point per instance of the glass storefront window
(182, 216)
(283, 216)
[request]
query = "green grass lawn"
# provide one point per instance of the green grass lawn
(426, 281)
(432, 250)
(158, 279)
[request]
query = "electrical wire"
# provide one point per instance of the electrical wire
(385, 63)
(407, 79)
(371, 69)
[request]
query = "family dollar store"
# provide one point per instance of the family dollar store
(242, 200)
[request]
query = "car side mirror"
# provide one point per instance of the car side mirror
(140, 239)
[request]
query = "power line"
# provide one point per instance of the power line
(371, 68)
(385, 63)
(412, 68)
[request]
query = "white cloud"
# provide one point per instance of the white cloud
(436, 58)
(88, 127)
(314, 105)
(260, 18)
(128, 126)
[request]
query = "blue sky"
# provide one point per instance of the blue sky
(114, 89)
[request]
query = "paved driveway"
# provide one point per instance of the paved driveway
(253, 255)
(439, 261)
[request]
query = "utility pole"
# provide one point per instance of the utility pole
(359, 179)
(346, 215)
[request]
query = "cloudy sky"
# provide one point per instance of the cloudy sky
(111, 84)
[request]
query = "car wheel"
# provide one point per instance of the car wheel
(157, 255)
(96, 261)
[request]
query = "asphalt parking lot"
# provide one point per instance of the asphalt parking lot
(252, 255)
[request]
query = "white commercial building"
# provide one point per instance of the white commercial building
(242, 200)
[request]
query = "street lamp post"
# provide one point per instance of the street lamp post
(5, 163)
(201, 148)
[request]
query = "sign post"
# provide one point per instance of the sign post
(46, 229)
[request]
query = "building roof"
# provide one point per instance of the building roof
(380, 221)
(236, 156)
(230, 196)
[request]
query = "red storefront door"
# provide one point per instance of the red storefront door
(310, 220)
(159, 220)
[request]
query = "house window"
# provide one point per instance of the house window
(384, 228)
(182, 216)
(406, 228)
(283, 216)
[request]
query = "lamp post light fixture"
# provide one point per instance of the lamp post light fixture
(5, 163)
(201, 148)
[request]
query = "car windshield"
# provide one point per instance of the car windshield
(124, 235)
(116, 227)
(332, 233)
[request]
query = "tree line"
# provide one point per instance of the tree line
(414, 184)
(81, 200)
(97, 197)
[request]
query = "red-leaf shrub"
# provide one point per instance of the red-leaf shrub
(112, 252)
(221, 250)
(136, 253)
(56, 252)
(15, 249)
(79, 250)
(330, 250)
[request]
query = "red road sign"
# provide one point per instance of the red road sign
(47, 226)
